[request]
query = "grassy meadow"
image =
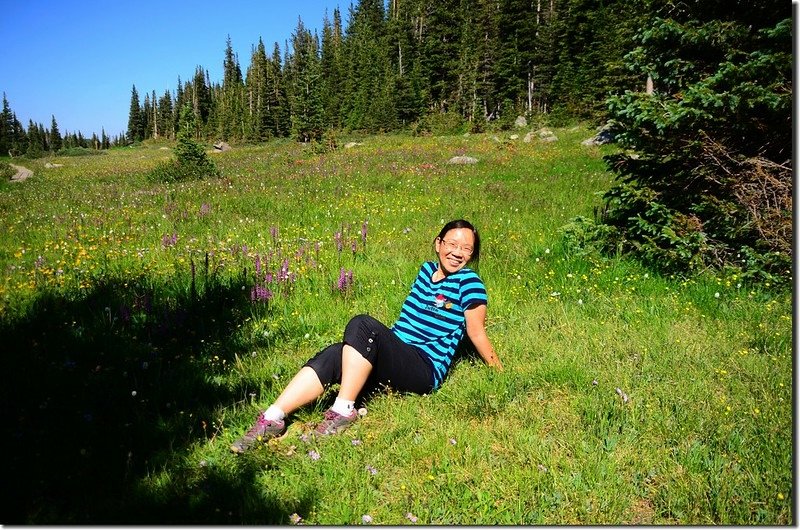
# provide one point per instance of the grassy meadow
(144, 325)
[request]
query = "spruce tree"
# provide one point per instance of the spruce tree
(34, 147)
(135, 124)
(305, 86)
(6, 128)
(56, 142)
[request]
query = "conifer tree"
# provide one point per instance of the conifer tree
(34, 147)
(164, 118)
(6, 128)
(135, 123)
(333, 76)
(56, 142)
(305, 86)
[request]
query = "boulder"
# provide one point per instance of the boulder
(528, 138)
(462, 160)
(552, 138)
(544, 132)
(514, 136)
(221, 147)
(350, 145)
(50, 165)
(520, 122)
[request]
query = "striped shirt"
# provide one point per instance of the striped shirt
(432, 317)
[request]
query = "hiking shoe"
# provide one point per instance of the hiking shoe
(335, 422)
(261, 431)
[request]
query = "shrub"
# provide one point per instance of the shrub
(6, 171)
(705, 177)
(191, 160)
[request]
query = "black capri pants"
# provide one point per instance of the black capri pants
(395, 364)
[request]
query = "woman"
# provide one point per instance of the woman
(446, 299)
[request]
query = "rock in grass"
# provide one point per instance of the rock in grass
(462, 160)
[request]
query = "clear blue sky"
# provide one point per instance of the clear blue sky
(79, 60)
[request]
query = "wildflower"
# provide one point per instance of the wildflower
(337, 237)
(716, 295)
(452, 441)
(364, 232)
(366, 519)
(411, 517)
(372, 470)
(355, 442)
(313, 455)
(295, 519)
(362, 411)
(623, 395)
(594, 382)
(542, 468)
(406, 229)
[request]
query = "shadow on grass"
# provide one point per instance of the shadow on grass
(112, 388)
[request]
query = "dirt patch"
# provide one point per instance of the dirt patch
(21, 174)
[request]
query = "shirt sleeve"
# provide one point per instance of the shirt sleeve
(473, 292)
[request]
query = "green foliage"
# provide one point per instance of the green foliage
(440, 124)
(191, 161)
(78, 151)
(6, 171)
(705, 178)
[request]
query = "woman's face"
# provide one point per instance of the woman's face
(455, 249)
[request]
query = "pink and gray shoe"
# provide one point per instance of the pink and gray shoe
(335, 423)
(260, 432)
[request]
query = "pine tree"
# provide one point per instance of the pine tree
(258, 87)
(164, 118)
(333, 76)
(135, 123)
(34, 147)
(305, 86)
(56, 142)
(230, 107)
(6, 128)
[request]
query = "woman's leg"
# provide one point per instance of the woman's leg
(355, 372)
(304, 388)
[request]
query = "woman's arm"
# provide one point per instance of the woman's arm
(476, 330)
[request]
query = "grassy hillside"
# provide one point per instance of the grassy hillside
(136, 349)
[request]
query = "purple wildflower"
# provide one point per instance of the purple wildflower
(354, 246)
(337, 237)
(273, 231)
(205, 209)
(259, 293)
(411, 517)
(313, 455)
(169, 240)
(366, 519)
(258, 264)
(364, 232)
(372, 470)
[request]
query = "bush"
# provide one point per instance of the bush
(705, 178)
(6, 171)
(192, 162)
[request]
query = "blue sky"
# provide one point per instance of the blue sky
(79, 60)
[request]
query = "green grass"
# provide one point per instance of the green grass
(134, 355)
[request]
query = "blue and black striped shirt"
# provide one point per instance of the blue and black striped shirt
(432, 317)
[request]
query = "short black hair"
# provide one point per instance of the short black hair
(462, 223)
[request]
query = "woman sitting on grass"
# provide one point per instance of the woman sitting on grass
(446, 299)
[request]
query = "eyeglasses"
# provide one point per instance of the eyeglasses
(451, 246)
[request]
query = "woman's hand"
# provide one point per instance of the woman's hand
(476, 330)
